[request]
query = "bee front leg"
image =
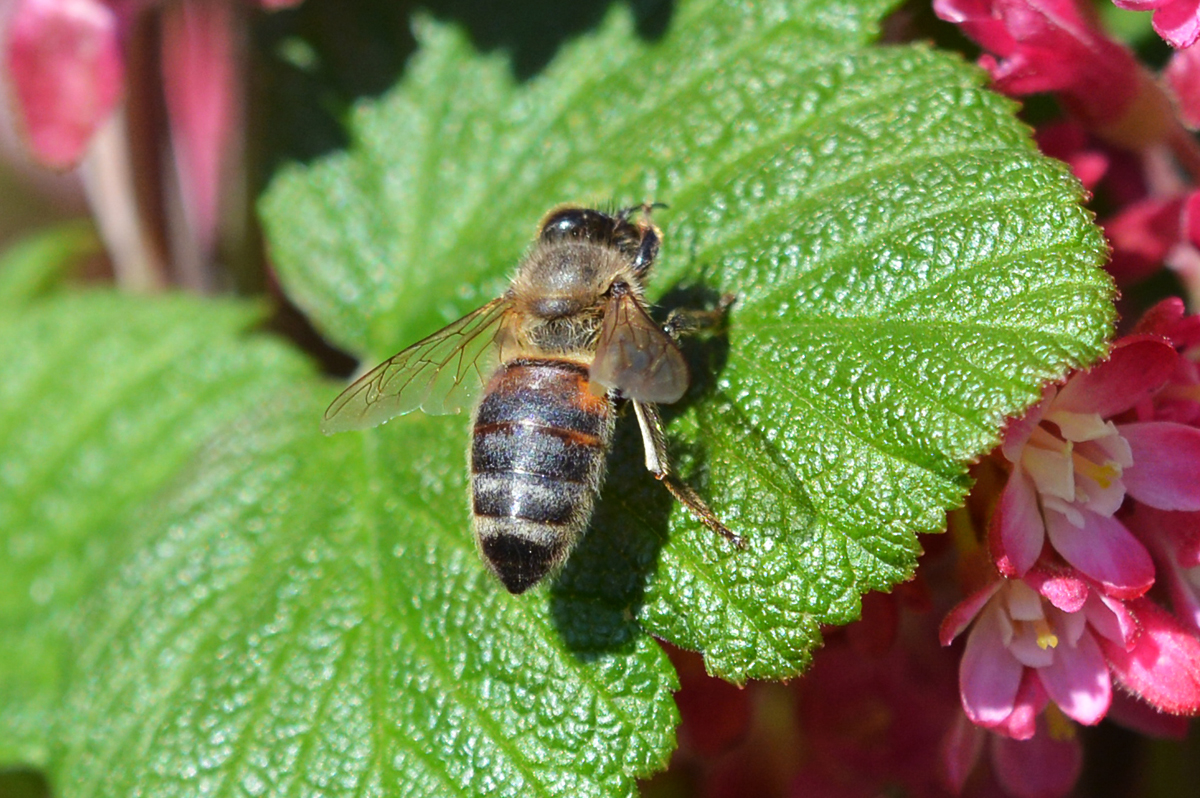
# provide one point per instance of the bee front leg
(685, 321)
(655, 442)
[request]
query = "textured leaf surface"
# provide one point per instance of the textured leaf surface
(261, 618)
(908, 269)
(103, 401)
(308, 617)
(296, 615)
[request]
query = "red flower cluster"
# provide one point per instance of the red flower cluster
(1097, 527)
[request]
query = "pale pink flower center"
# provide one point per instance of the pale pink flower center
(1076, 461)
(1031, 628)
(1025, 629)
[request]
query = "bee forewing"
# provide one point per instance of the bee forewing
(636, 357)
(440, 374)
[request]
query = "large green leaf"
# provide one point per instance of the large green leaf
(307, 616)
(198, 600)
(285, 613)
(908, 269)
(103, 401)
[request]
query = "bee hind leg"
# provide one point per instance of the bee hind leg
(655, 442)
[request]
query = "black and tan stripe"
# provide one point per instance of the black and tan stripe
(537, 460)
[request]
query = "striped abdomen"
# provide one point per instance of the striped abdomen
(537, 461)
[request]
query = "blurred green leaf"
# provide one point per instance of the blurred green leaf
(103, 401)
(36, 263)
(909, 272)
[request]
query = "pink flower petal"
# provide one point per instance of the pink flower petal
(1168, 534)
(1062, 587)
(1040, 767)
(1017, 433)
(1140, 5)
(988, 675)
(1163, 668)
(1162, 318)
(1111, 619)
(1078, 680)
(964, 612)
(1166, 464)
(1026, 650)
(1141, 235)
(1136, 368)
(1047, 45)
(960, 751)
(1183, 79)
(65, 63)
(1103, 550)
(202, 89)
(1021, 723)
(1178, 22)
(1171, 537)
(1016, 533)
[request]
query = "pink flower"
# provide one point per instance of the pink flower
(1048, 46)
(1052, 637)
(1173, 539)
(1047, 765)
(1183, 79)
(1073, 467)
(65, 61)
(67, 70)
(1033, 641)
(1177, 21)
(1179, 399)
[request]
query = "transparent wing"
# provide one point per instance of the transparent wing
(440, 374)
(636, 357)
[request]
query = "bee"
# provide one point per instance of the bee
(555, 356)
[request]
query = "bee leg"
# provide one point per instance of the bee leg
(684, 321)
(647, 250)
(646, 208)
(655, 442)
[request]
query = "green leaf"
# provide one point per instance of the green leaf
(909, 272)
(308, 615)
(103, 402)
(209, 597)
(207, 594)
(32, 266)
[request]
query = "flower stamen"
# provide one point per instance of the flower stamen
(1045, 635)
(1102, 474)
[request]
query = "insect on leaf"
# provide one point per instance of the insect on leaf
(439, 374)
(636, 357)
